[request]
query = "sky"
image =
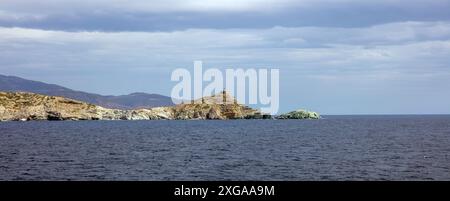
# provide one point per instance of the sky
(334, 56)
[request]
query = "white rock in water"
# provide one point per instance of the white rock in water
(300, 114)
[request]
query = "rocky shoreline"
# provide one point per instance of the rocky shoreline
(23, 106)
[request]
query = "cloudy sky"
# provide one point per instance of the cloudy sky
(334, 56)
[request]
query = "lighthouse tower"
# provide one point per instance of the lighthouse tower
(224, 95)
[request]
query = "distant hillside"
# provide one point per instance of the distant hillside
(131, 101)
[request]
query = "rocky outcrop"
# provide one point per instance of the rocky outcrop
(29, 106)
(300, 114)
(21, 106)
(219, 106)
(211, 111)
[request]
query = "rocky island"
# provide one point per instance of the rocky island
(24, 106)
(300, 114)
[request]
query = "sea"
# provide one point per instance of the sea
(364, 147)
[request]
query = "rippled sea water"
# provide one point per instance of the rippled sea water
(334, 148)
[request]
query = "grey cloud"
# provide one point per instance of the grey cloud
(156, 15)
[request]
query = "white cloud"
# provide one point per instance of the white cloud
(157, 15)
(398, 45)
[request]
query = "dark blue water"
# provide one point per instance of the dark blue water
(335, 148)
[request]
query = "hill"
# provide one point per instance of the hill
(131, 101)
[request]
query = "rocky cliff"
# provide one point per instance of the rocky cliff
(22, 106)
(29, 106)
(219, 106)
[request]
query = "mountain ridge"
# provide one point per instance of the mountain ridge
(136, 100)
